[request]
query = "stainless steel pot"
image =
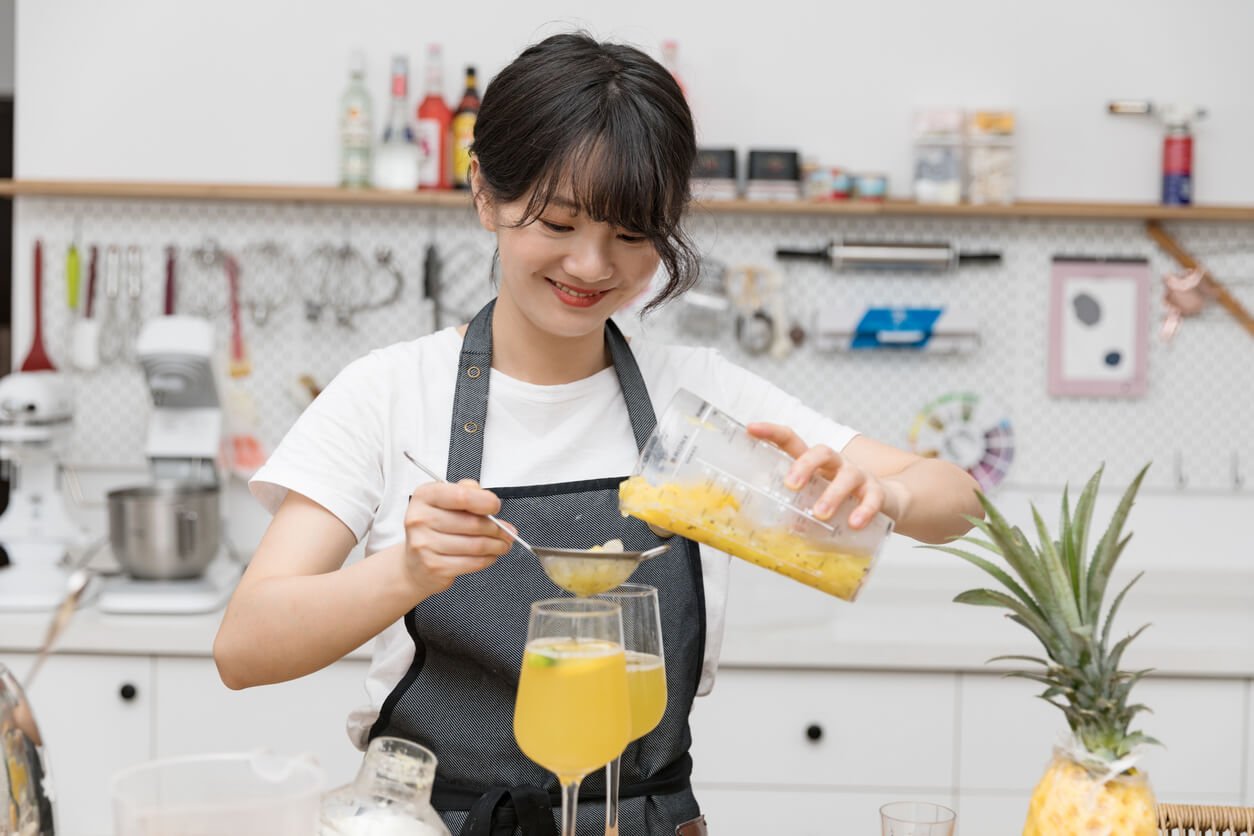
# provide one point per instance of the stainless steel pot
(165, 531)
(25, 802)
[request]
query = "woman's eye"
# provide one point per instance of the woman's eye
(631, 239)
(552, 227)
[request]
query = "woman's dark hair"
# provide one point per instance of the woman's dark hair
(605, 121)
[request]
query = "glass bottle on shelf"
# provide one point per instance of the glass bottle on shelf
(391, 795)
(670, 60)
(356, 127)
(435, 125)
(398, 155)
(464, 130)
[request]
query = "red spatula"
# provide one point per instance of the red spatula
(37, 359)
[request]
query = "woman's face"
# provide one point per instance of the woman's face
(564, 271)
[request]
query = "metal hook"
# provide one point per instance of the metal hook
(1182, 481)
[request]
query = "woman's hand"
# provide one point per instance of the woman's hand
(447, 534)
(847, 478)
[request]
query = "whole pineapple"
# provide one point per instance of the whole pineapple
(1093, 789)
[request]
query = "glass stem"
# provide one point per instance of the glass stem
(570, 800)
(612, 771)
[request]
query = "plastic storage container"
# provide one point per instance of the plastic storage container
(938, 155)
(245, 794)
(991, 157)
(701, 475)
(391, 795)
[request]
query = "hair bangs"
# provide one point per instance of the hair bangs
(609, 181)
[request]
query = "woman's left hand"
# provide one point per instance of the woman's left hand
(847, 479)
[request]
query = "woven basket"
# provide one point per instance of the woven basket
(1201, 819)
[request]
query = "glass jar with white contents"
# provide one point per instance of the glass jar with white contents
(391, 795)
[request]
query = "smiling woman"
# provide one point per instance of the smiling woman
(582, 154)
(616, 147)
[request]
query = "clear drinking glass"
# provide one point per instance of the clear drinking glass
(572, 715)
(646, 676)
(916, 818)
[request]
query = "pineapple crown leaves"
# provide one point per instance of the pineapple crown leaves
(1056, 591)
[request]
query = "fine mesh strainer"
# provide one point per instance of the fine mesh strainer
(578, 571)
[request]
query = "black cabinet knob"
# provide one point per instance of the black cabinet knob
(128, 691)
(814, 732)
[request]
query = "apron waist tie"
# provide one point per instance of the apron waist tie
(497, 812)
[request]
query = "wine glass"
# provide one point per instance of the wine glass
(646, 676)
(572, 714)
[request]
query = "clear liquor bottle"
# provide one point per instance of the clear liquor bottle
(397, 158)
(356, 127)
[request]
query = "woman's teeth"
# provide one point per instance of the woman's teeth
(573, 292)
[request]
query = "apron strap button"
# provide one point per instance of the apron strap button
(470, 427)
(472, 373)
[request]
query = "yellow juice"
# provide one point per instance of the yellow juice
(572, 714)
(646, 688)
(712, 516)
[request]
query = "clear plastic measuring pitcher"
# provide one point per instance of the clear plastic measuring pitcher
(701, 475)
(244, 794)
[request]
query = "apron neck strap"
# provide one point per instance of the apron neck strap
(470, 398)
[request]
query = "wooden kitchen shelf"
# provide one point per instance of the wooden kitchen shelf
(228, 191)
(378, 197)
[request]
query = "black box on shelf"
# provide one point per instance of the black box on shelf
(773, 175)
(714, 174)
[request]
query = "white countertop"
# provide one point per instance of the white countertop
(1202, 625)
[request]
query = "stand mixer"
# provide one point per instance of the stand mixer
(36, 531)
(184, 437)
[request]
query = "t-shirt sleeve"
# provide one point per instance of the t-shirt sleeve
(333, 453)
(747, 397)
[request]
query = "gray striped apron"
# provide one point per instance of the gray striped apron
(457, 698)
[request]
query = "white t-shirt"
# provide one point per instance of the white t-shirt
(344, 452)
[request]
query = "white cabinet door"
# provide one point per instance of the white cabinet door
(196, 714)
(1007, 736)
(93, 713)
(1248, 797)
(987, 814)
(824, 729)
(755, 812)
(1199, 722)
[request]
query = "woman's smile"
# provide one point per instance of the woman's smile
(575, 297)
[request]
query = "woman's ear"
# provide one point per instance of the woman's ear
(483, 205)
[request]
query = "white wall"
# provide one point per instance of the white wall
(237, 90)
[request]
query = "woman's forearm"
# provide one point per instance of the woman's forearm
(283, 627)
(929, 500)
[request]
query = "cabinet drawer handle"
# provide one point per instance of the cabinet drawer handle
(814, 732)
(128, 692)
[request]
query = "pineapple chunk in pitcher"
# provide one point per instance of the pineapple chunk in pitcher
(713, 516)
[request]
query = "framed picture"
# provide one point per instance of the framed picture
(1098, 327)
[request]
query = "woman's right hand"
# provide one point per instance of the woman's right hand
(448, 534)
